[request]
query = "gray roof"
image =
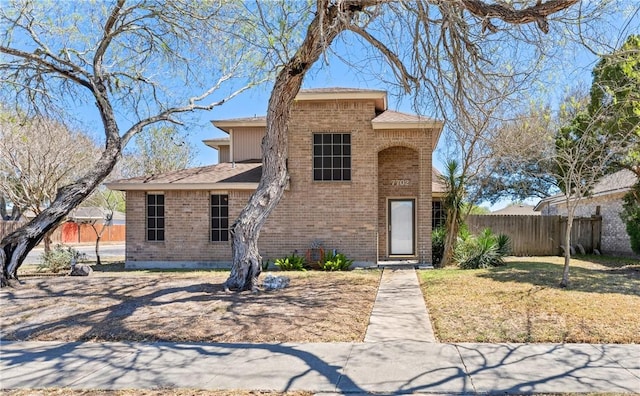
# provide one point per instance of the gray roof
(618, 182)
(516, 209)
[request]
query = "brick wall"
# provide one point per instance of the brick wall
(615, 239)
(345, 215)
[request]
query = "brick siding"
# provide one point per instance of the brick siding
(345, 215)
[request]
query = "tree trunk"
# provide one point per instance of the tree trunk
(18, 244)
(567, 251)
(47, 241)
(450, 240)
(329, 21)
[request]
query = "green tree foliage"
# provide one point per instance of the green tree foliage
(631, 216)
(615, 98)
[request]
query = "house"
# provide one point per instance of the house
(606, 201)
(517, 209)
(361, 182)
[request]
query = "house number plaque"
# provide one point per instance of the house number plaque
(400, 182)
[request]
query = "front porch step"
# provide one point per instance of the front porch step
(404, 264)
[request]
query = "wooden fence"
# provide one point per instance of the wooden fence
(540, 235)
(69, 232)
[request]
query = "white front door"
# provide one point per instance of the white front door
(401, 227)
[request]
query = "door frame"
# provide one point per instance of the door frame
(414, 201)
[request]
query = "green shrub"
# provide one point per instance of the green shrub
(437, 244)
(335, 262)
(487, 250)
(291, 263)
(631, 216)
(59, 258)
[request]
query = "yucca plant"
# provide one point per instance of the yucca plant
(335, 262)
(487, 250)
(291, 263)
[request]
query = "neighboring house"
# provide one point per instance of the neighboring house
(605, 201)
(361, 181)
(517, 210)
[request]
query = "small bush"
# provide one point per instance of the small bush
(335, 262)
(487, 250)
(291, 263)
(437, 244)
(59, 258)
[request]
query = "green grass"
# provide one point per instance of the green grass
(522, 302)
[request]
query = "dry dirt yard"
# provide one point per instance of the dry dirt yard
(190, 306)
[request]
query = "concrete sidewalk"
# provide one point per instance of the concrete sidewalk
(388, 367)
(399, 356)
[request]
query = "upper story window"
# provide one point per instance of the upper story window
(332, 156)
(219, 217)
(155, 217)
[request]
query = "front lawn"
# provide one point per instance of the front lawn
(522, 302)
(188, 306)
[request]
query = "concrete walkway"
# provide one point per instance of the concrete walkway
(399, 312)
(399, 356)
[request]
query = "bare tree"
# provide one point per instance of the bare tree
(565, 152)
(446, 50)
(37, 157)
(124, 55)
(158, 150)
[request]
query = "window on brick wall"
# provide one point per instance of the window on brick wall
(219, 217)
(438, 214)
(155, 217)
(332, 156)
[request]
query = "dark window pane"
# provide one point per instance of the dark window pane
(224, 199)
(215, 211)
(337, 174)
(160, 222)
(215, 199)
(215, 223)
(346, 162)
(160, 199)
(224, 235)
(317, 138)
(151, 235)
(151, 199)
(224, 211)
(346, 174)
(337, 162)
(224, 223)
(160, 235)
(317, 162)
(337, 149)
(317, 150)
(317, 174)
(151, 223)
(326, 138)
(326, 174)
(346, 150)
(346, 138)
(337, 139)
(160, 211)
(326, 150)
(326, 162)
(151, 211)
(215, 235)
